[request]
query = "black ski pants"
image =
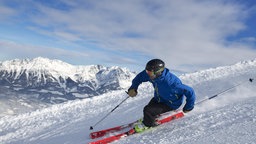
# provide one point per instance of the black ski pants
(152, 110)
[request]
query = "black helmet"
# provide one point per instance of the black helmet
(155, 65)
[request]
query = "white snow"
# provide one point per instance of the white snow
(228, 118)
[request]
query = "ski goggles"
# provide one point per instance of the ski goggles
(153, 74)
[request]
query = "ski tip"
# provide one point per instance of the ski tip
(91, 128)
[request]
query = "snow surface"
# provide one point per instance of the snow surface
(229, 118)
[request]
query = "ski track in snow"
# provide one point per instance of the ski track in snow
(229, 118)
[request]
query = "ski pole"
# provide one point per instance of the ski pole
(91, 127)
(250, 80)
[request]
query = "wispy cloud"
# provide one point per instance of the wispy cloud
(188, 35)
(25, 50)
(6, 12)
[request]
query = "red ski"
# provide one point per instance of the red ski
(170, 118)
(132, 131)
(102, 133)
(114, 138)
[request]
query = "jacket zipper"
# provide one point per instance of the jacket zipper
(157, 94)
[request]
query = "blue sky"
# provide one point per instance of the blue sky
(188, 35)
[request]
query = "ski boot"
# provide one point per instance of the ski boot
(140, 127)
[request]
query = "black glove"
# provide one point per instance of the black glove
(132, 92)
(187, 110)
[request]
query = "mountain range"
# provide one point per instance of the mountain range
(51, 81)
(54, 78)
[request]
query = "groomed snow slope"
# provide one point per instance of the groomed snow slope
(229, 118)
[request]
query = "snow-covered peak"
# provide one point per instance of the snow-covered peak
(56, 67)
(34, 64)
(40, 66)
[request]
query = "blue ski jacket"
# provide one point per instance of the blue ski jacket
(168, 89)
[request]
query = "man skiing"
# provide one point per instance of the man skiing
(169, 93)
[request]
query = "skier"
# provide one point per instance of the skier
(169, 93)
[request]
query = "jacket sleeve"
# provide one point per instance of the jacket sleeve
(190, 96)
(141, 77)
